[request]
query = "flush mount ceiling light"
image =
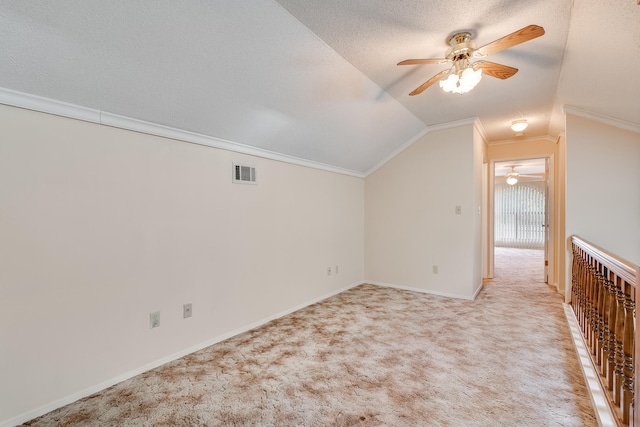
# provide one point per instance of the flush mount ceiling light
(519, 125)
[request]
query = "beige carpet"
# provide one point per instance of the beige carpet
(373, 356)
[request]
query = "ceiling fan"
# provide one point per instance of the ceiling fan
(513, 176)
(463, 74)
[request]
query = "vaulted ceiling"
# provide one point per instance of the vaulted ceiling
(317, 80)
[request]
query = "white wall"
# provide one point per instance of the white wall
(478, 216)
(410, 219)
(101, 226)
(603, 186)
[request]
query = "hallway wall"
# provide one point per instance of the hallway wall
(603, 186)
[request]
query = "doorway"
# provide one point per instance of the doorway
(519, 212)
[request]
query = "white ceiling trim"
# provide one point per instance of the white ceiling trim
(481, 130)
(397, 151)
(50, 106)
(454, 124)
(621, 124)
(442, 126)
(547, 138)
(59, 108)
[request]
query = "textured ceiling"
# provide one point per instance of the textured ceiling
(314, 79)
(375, 35)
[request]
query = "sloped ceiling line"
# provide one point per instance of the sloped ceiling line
(611, 121)
(59, 108)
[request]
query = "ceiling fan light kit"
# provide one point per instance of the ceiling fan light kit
(464, 75)
(462, 78)
(513, 176)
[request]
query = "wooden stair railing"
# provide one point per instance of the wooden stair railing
(603, 300)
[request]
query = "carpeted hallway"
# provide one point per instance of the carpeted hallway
(373, 356)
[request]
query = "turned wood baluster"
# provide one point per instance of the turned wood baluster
(575, 286)
(586, 307)
(613, 320)
(603, 299)
(606, 323)
(582, 296)
(619, 348)
(628, 348)
(591, 286)
(584, 310)
(600, 318)
(595, 310)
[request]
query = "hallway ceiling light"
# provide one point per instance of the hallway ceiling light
(519, 125)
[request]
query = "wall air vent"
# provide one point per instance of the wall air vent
(243, 174)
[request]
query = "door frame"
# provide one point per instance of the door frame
(550, 213)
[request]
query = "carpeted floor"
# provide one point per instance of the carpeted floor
(373, 356)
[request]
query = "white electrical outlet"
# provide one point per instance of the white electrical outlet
(435, 269)
(187, 310)
(154, 319)
(458, 210)
(328, 271)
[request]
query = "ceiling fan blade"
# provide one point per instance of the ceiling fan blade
(520, 36)
(428, 83)
(531, 176)
(495, 70)
(423, 61)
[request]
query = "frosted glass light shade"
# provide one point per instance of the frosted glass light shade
(461, 82)
(519, 125)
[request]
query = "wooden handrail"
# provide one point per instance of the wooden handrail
(603, 298)
(620, 266)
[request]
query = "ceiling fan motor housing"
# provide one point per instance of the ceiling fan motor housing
(461, 46)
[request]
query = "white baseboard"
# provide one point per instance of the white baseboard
(424, 291)
(113, 381)
(477, 292)
(598, 398)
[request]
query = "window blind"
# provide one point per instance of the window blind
(519, 215)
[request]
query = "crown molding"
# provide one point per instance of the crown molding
(127, 123)
(72, 111)
(397, 151)
(481, 130)
(543, 138)
(49, 106)
(454, 124)
(611, 121)
(442, 126)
